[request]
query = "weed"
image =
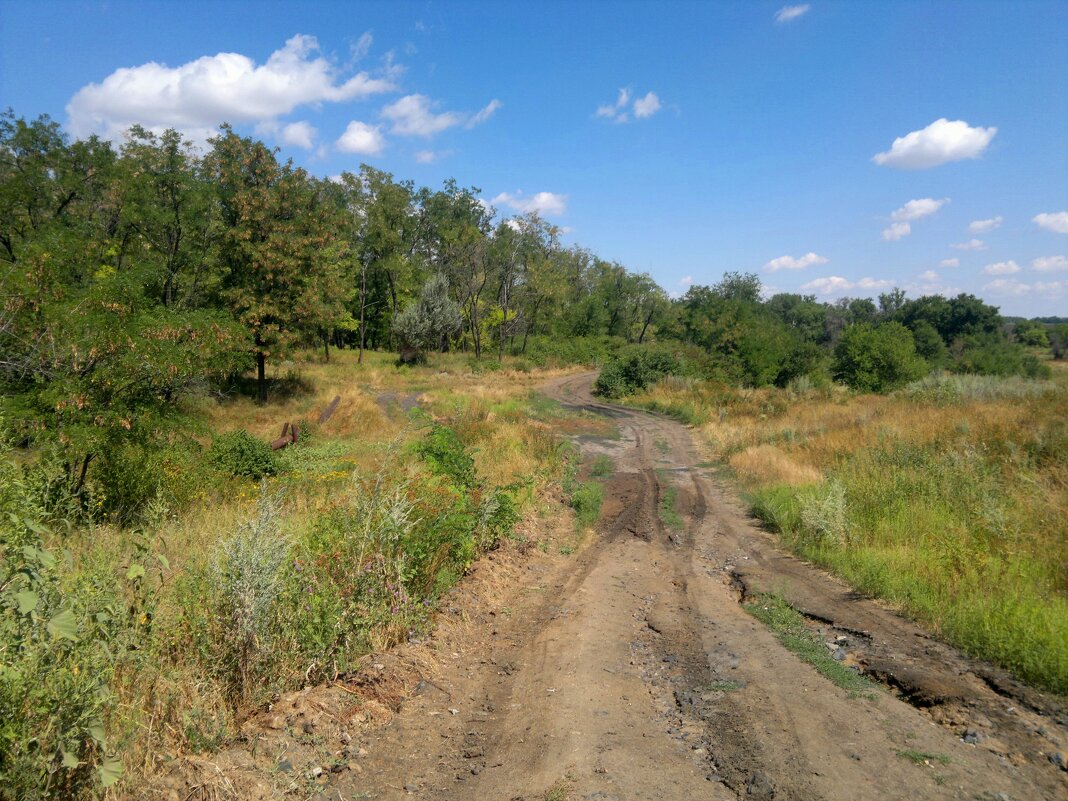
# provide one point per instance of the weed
(789, 627)
(668, 507)
(586, 500)
(923, 757)
(602, 466)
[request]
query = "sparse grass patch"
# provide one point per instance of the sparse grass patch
(668, 507)
(789, 627)
(602, 466)
(586, 500)
(923, 757)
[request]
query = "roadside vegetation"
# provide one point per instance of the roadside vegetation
(947, 497)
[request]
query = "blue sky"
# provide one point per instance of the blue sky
(681, 139)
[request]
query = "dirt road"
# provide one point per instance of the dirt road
(630, 670)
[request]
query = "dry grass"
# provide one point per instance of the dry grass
(767, 463)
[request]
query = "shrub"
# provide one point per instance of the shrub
(823, 514)
(635, 369)
(238, 453)
(248, 572)
(994, 356)
(877, 359)
(56, 660)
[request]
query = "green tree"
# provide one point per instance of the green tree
(279, 265)
(877, 358)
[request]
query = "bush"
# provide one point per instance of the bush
(994, 356)
(636, 369)
(877, 359)
(238, 453)
(57, 652)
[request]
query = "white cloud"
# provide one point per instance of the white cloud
(910, 212)
(1056, 221)
(837, 285)
(788, 13)
(430, 156)
(930, 276)
(1008, 286)
(484, 114)
(939, 143)
(792, 263)
(982, 226)
(362, 139)
(874, 283)
(544, 203)
(949, 263)
(228, 87)
(896, 231)
(615, 112)
(918, 209)
(299, 134)
(971, 244)
(1048, 264)
(1002, 268)
(362, 46)
(686, 281)
(643, 107)
(646, 106)
(413, 115)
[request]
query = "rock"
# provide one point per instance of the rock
(355, 767)
(973, 736)
(411, 788)
(315, 772)
(476, 769)
(308, 727)
(1060, 759)
(285, 766)
(760, 787)
(474, 751)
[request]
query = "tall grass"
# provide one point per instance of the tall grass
(949, 498)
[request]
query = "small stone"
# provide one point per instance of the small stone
(308, 727)
(1060, 759)
(760, 787)
(354, 767)
(315, 772)
(411, 788)
(973, 736)
(476, 769)
(285, 766)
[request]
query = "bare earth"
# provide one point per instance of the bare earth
(630, 670)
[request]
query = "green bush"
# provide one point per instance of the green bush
(992, 355)
(58, 647)
(877, 358)
(634, 370)
(238, 453)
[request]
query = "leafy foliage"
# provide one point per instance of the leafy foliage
(238, 453)
(877, 358)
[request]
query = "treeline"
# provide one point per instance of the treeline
(133, 275)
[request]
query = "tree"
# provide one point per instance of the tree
(877, 358)
(279, 268)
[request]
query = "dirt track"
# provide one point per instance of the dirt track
(631, 671)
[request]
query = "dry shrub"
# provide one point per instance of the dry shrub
(768, 464)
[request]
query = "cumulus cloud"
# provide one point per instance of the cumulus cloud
(913, 210)
(939, 143)
(837, 285)
(1002, 268)
(1048, 264)
(982, 226)
(686, 281)
(544, 203)
(792, 263)
(929, 276)
(1056, 221)
(228, 87)
(298, 134)
(414, 115)
(642, 107)
(361, 139)
(789, 13)
(971, 244)
(896, 231)
(646, 106)
(949, 263)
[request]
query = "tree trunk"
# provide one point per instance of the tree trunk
(261, 377)
(81, 475)
(648, 319)
(363, 309)
(326, 345)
